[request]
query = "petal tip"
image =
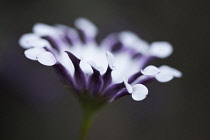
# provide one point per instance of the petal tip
(46, 59)
(161, 49)
(150, 70)
(110, 59)
(139, 92)
(127, 85)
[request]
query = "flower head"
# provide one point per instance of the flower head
(107, 70)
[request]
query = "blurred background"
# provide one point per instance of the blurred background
(36, 105)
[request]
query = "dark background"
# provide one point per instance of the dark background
(35, 105)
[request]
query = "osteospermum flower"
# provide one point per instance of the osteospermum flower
(107, 70)
(98, 73)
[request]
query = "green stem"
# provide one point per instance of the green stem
(87, 119)
(90, 107)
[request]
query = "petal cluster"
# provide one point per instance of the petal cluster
(109, 69)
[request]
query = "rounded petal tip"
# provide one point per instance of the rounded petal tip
(161, 49)
(164, 76)
(150, 70)
(176, 73)
(132, 41)
(44, 29)
(87, 26)
(167, 74)
(139, 92)
(33, 53)
(46, 59)
(26, 40)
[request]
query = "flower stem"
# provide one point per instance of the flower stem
(90, 107)
(87, 119)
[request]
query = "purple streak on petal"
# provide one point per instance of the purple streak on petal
(49, 50)
(53, 42)
(116, 47)
(65, 39)
(109, 41)
(79, 74)
(65, 74)
(95, 82)
(136, 55)
(69, 35)
(107, 78)
(112, 42)
(72, 36)
(85, 38)
(121, 93)
(113, 89)
(69, 40)
(134, 77)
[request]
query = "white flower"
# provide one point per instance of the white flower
(99, 69)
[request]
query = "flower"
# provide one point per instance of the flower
(107, 70)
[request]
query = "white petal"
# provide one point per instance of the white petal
(176, 73)
(33, 53)
(161, 49)
(108, 41)
(44, 29)
(32, 40)
(46, 59)
(110, 59)
(93, 64)
(127, 85)
(26, 39)
(130, 39)
(86, 68)
(40, 43)
(164, 76)
(87, 26)
(150, 70)
(66, 62)
(124, 66)
(139, 92)
(71, 32)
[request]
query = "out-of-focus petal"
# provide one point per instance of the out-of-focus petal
(70, 34)
(46, 59)
(175, 72)
(128, 37)
(26, 40)
(161, 49)
(86, 26)
(44, 29)
(32, 53)
(131, 40)
(109, 41)
(40, 43)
